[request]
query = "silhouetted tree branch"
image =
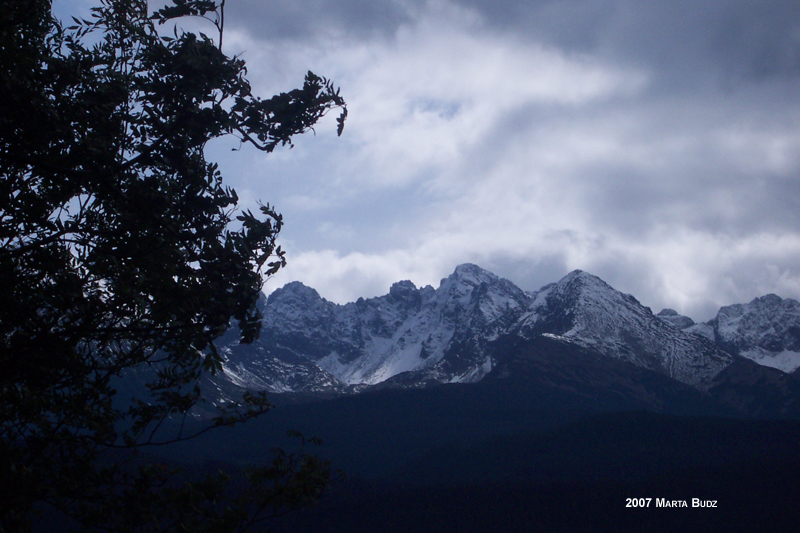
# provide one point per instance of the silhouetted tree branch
(118, 262)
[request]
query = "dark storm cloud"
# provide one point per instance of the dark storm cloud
(630, 203)
(739, 39)
(574, 25)
(685, 41)
(308, 19)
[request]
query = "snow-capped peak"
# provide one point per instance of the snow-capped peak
(445, 334)
(472, 274)
(584, 307)
(766, 330)
(672, 317)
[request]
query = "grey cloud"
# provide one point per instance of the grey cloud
(715, 69)
(759, 40)
(307, 19)
(632, 204)
(530, 274)
(698, 183)
(685, 40)
(574, 25)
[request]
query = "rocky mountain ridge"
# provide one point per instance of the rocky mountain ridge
(766, 330)
(414, 336)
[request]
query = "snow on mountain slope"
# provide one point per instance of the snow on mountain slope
(766, 330)
(372, 340)
(412, 336)
(585, 308)
(672, 316)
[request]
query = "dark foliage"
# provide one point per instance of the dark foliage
(579, 478)
(119, 263)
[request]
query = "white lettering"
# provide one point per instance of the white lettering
(697, 502)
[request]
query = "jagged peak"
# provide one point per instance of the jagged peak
(579, 274)
(405, 291)
(584, 280)
(767, 303)
(294, 290)
(472, 275)
(402, 287)
(671, 316)
(471, 270)
(582, 288)
(468, 277)
(768, 299)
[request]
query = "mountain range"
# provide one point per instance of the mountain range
(462, 332)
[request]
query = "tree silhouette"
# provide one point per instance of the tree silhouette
(119, 263)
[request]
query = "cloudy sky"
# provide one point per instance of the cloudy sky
(654, 143)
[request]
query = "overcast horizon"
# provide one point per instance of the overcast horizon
(654, 144)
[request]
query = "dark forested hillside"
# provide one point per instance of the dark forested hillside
(558, 438)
